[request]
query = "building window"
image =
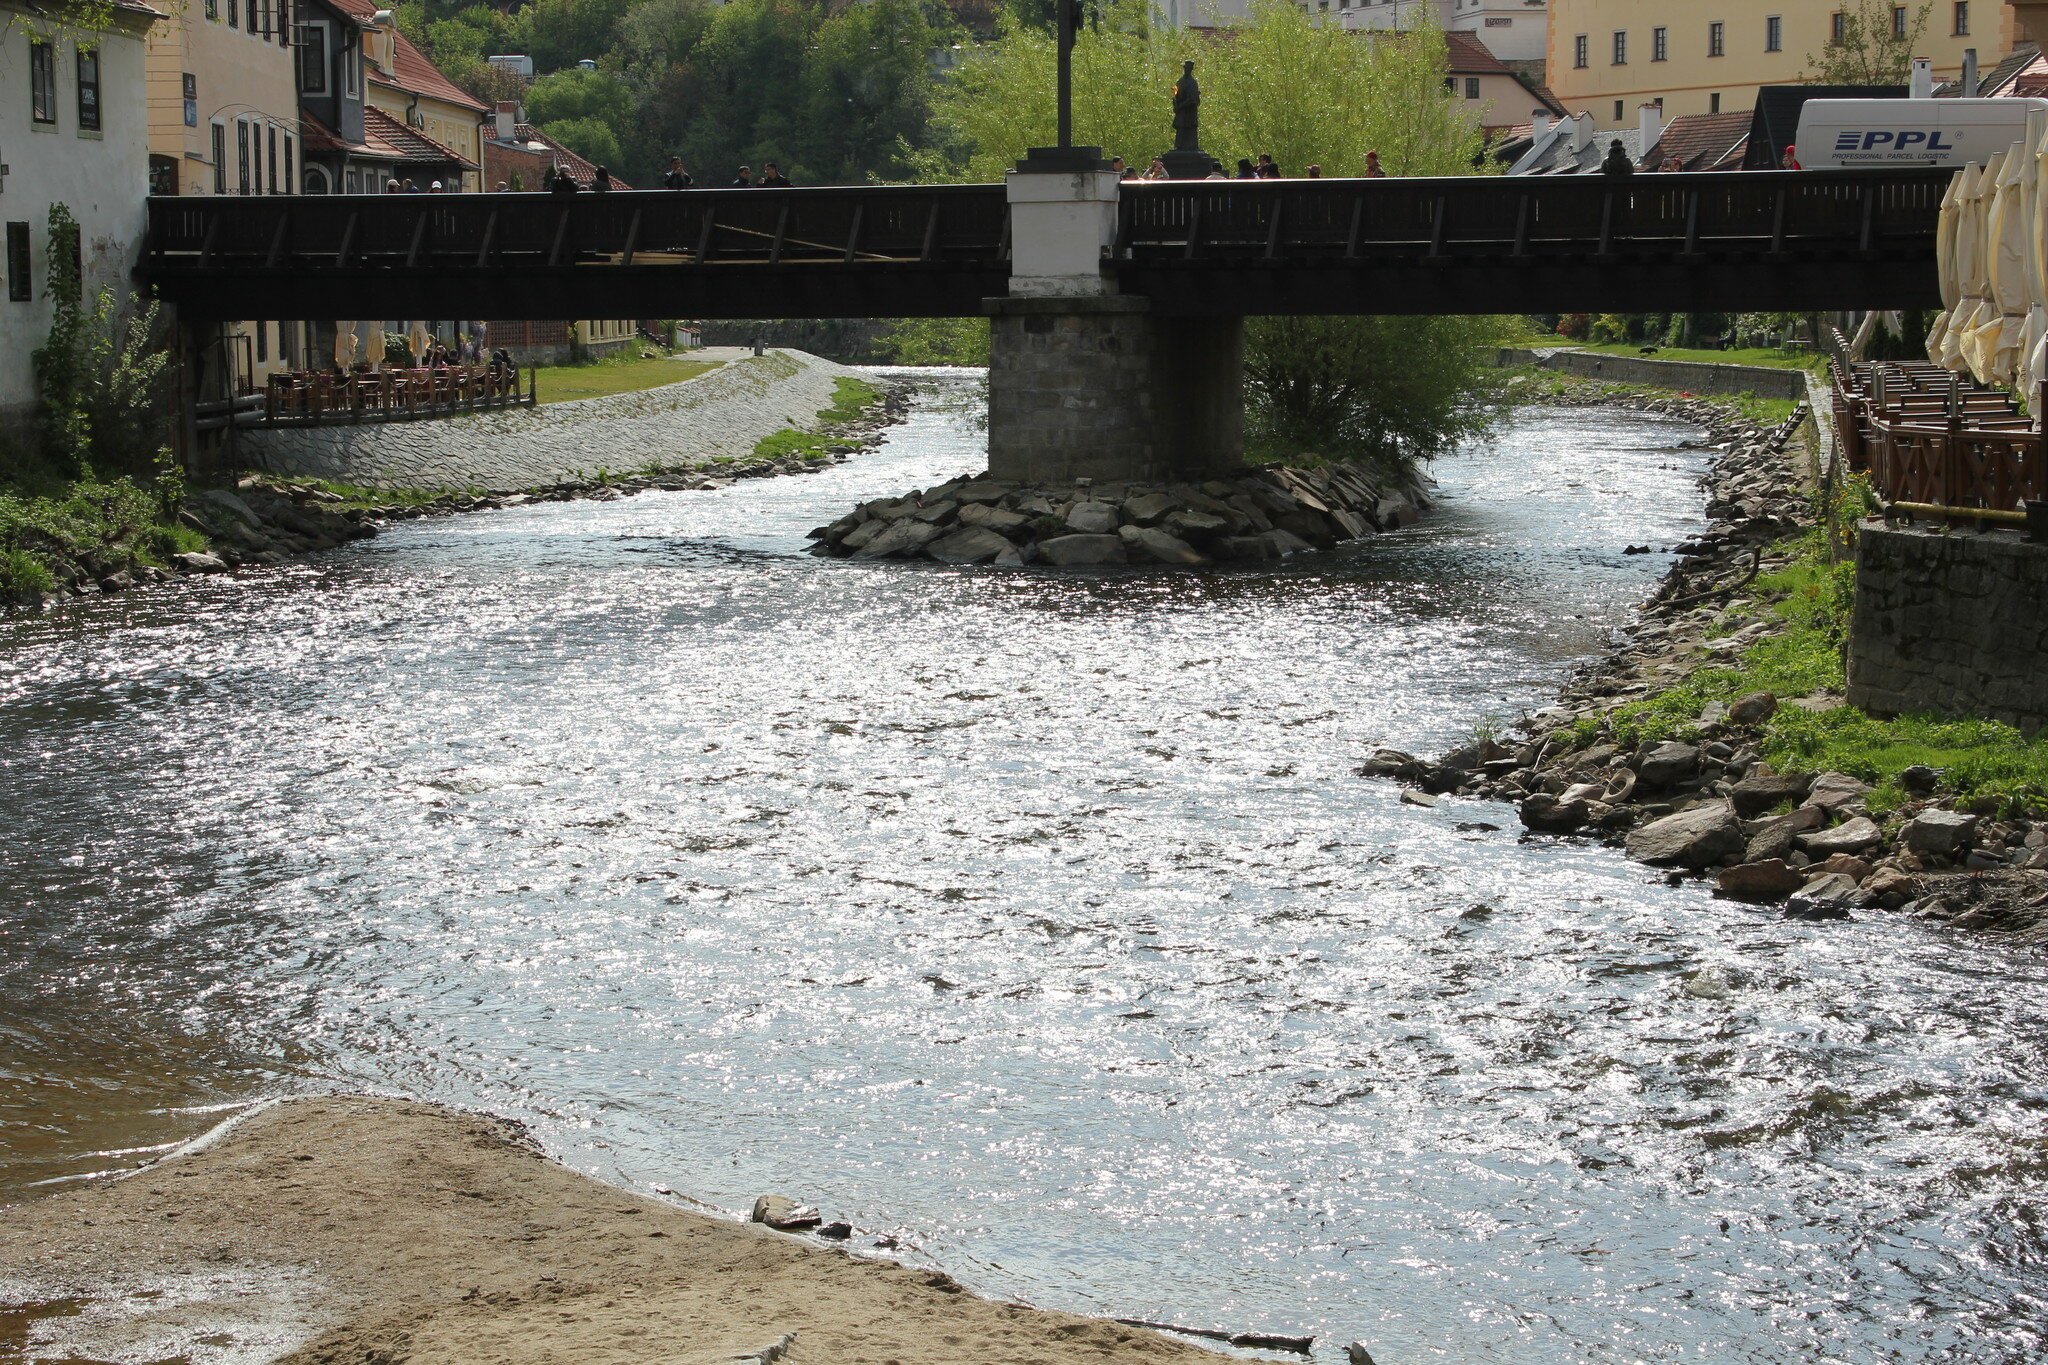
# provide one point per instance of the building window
(234, 13)
(288, 182)
(220, 158)
(18, 287)
(191, 84)
(1714, 103)
(1579, 46)
(352, 72)
(1717, 39)
(42, 81)
(1898, 21)
(1471, 87)
(284, 23)
(1619, 112)
(262, 342)
(317, 181)
(1962, 28)
(242, 156)
(88, 90)
(213, 10)
(1660, 44)
(270, 163)
(1774, 34)
(1621, 48)
(313, 60)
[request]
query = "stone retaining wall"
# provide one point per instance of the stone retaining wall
(723, 413)
(1691, 376)
(1954, 623)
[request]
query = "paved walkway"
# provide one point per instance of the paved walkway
(676, 426)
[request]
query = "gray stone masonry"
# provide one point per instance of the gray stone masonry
(1691, 376)
(725, 412)
(1955, 624)
(1099, 388)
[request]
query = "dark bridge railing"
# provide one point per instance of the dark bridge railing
(1577, 243)
(941, 248)
(1475, 244)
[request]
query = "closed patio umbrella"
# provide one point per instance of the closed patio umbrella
(1945, 263)
(1966, 318)
(2036, 369)
(2009, 257)
(418, 340)
(344, 344)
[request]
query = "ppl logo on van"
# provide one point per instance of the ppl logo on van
(1906, 139)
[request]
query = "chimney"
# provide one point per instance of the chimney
(506, 119)
(1649, 125)
(1582, 132)
(1969, 72)
(1922, 85)
(1539, 123)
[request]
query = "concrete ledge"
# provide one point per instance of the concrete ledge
(1953, 623)
(1690, 375)
(1093, 305)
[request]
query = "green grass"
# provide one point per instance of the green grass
(626, 372)
(1988, 765)
(1741, 355)
(1540, 383)
(850, 398)
(358, 498)
(45, 521)
(23, 574)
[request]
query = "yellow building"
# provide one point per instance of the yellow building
(224, 119)
(1606, 57)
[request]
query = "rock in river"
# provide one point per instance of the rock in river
(1940, 831)
(1851, 837)
(1068, 551)
(1668, 764)
(1770, 880)
(1698, 837)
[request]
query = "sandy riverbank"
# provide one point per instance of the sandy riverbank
(358, 1230)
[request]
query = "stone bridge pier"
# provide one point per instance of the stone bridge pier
(1084, 382)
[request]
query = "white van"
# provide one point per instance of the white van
(1893, 134)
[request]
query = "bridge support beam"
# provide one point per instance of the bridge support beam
(1100, 388)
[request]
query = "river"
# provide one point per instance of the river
(1038, 919)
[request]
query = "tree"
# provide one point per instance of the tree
(580, 94)
(561, 33)
(749, 69)
(1873, 47)
(866, 88)
(1309, 93)
(589, 138)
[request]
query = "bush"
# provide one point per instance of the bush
(1574, 326)
(22, 575)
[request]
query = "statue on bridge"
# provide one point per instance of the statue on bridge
(1187, 160)
(1187, 110)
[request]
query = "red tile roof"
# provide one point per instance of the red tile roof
(1702, 142)
(535, 151)
(410, 70)
(384, 139)
(1469, 56)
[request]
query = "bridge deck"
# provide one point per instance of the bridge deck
(1481, 244)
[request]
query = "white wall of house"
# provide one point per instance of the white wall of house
(102, 175)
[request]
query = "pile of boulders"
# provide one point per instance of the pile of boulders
(1708, 804)
(1253, 516)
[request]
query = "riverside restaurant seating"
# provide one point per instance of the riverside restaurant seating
(382, 394)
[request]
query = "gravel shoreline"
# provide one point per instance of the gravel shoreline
(1710, 806)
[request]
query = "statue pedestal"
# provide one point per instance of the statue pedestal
(1063, 211)
(1188, 165)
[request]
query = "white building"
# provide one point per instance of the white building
(1512, 30)
(74, 129)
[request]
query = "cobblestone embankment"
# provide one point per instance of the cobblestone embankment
(720, 414)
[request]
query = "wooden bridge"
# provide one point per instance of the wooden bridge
(1480, 244)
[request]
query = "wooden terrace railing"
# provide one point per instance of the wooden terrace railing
(1933, 442)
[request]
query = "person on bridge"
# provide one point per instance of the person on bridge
(1617, 161)
(1215, 170)
(1244, 169)
(1268, 169)
(1157, 170)
(1315, 172)
(677, 178)
(744, 180)
(1790, 161)
(772, 177)
(565, 183)
(1373, 169)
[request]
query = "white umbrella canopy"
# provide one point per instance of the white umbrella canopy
(1970, 224)
(418, 341)
(2034, 373)
(1945, 264)
(344, 344)
(2007, 257)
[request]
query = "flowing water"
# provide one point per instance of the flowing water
(1038, 918)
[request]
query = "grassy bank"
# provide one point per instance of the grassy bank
(851, 398)
(1532, 383)
(626, 372)
(1987, 765)
(53, 531)
(1739, 355)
